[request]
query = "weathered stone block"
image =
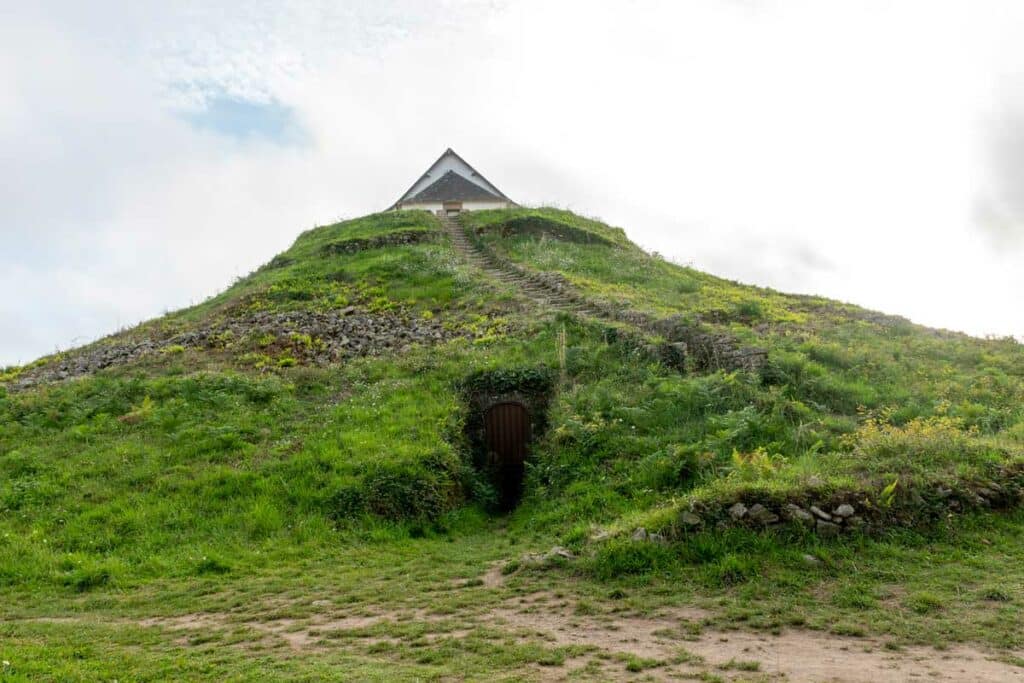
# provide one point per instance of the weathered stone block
(738, 511)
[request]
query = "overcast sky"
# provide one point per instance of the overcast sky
(868, 151)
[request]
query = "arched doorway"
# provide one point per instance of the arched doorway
(507, 434)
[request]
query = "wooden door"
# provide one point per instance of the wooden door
(507, 429)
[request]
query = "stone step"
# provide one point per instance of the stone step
(539, 292)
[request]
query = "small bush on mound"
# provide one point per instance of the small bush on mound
(1016, 433)
(730, 570)
(670, 467)
(924, 602)
(750, 310)
(623, 557)
(813, 383)
(396, 491)
(212, 565)
(87, 576)
(996, 594)
(527, 380)
(854, 597)
(932, 445)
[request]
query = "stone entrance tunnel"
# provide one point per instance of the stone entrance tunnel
(506, 412)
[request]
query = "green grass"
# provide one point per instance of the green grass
(203, 481)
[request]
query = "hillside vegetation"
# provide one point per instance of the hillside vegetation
(306, 428)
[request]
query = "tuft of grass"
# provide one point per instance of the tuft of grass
(995, 594)
(625, 558)
(635, 664)
(924, 602)
(740, 665)
(856, 597)
(212, 565)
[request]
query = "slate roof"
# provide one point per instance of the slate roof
(469, 192)
(452, 187)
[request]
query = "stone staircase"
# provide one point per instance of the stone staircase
(534, 288)
(707, 350)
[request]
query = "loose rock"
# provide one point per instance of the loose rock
(845, 510)
(738, 511)
(821, 514)
(796, 513)
(639, 534)
(559, 551)
(690, 519)
(762, 515)
(987, 494)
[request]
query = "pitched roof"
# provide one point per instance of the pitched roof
(451, 163)
(452, 187)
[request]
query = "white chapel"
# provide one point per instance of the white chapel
(451, 185)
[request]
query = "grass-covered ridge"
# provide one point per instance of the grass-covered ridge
(250, 458)
(849, 397)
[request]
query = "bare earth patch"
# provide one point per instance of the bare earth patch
(799, 656)
(672, 644)
(494, 577)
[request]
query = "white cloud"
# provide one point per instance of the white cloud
(831, 148)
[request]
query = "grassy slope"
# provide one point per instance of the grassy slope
(851, 396)
(201, 477)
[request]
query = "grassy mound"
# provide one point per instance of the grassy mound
(217, 453)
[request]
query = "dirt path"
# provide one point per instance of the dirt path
(671, 645)
(798, 656)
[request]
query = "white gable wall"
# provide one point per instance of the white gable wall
(449, 162)
(434, 207)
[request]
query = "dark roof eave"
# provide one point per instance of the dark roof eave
(399, 205)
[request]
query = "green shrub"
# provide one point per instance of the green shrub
(830, 354)
(1016, 432)
(623, 557)
(87, 577)
(996, 594)
(731, 569)
(924, 602)
(811, 382)
(211, 565)
(398, 491)
(687, 285)
(924, 444)
(750, 309)
(856, 597)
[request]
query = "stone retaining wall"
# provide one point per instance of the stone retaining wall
(312, 337)
(543, 227)
(391, 239)
(836, 513)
